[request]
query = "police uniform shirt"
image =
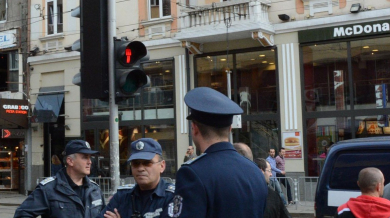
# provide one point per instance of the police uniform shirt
(154, 205)
(219, 183)
(80, 190)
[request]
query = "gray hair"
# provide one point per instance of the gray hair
(72, 156)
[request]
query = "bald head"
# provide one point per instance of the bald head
(371, 181)
(244, 150)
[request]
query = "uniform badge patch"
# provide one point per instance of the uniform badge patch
(174, 209)
(139, 145)
(47, 180)
(87, 144)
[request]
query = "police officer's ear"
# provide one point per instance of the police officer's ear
(163, 165)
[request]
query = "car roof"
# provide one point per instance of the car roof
(367, 143)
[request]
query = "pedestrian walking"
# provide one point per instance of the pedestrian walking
(281, 165)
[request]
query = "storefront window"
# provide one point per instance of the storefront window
(212, 71)
(371, 72)
(256, 82)
(321, 133)
(153, 102)
(326, 77)
(260, 136)
(165, 135)
(370, 126)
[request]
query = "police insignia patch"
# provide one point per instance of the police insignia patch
(174, 209)
(139, 145)
(87, 144)
(45, 181)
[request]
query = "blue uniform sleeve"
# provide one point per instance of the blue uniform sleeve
(112, 204)
(190, 198)
(35, 205)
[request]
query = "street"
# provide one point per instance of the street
(7, 211)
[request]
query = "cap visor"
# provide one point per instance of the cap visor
(189, 117)
(87, 151)
(142, 156)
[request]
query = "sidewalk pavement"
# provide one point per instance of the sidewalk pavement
(301, 209)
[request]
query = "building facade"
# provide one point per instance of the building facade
(307, 73)
(14, 101)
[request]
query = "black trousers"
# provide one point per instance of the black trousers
(286, 184)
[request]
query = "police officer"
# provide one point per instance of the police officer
(70, 193)
(151, 195)
(220, 182)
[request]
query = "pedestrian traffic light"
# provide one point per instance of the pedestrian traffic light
(129, 76)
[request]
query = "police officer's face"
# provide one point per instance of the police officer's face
(81, 164)
(147, 172)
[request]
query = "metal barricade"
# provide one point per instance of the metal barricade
(307, 189)
(288, 184)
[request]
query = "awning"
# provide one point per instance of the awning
(47, 107)
(13, 113)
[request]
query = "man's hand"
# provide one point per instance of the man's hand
(110, 214)
(283, 172)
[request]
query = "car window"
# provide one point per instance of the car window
(348, 165)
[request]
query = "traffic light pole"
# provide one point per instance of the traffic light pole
(114, 121)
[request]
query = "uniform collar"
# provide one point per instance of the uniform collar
(219, 146)
(63, 177)
(159, 190)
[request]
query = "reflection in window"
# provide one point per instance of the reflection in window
(159, 8)
(260, 136)
(3, 10)
(321, 133)
(256, 81)
(211, 72)
(326, 77)
(370, 69)
(13, 79)
(54, 17)
(369, 126)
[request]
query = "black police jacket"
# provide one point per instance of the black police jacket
(54, 197)
(219, 183)
(156, 206)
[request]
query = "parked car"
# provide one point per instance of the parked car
(338, 180)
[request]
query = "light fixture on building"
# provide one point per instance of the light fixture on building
(34, 51)
(355, 8)
(284, 17)
(67, 127)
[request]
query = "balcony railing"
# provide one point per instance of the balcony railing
(242, 10)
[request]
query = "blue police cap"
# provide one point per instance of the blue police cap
(144, 149)
(78, 146)
(211, 107)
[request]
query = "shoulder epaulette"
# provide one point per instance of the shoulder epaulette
(47, 180)
(128, 186)
(93, 182)
(195, 159)
(170, 188)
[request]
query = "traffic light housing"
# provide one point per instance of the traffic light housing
(129, 76)
(93, 47)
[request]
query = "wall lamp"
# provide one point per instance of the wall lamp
(67, 127)
(355, 8)
(284, 17)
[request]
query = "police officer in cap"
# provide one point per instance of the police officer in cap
(220, 182)
(151, 195)
(70, 193)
